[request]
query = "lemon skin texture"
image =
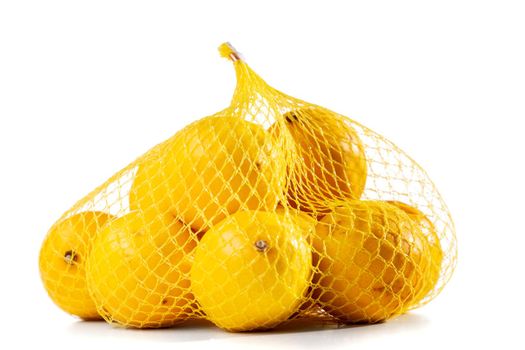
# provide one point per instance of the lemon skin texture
(134, 282)
(371, 262)
(210, 169)
(436, 252)
(62, 262)
(251, 271)
(331, 159)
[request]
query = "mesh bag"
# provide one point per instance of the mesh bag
(270, 210)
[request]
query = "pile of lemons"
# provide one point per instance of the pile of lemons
(224, 225)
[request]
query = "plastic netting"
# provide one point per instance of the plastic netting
(270, 210)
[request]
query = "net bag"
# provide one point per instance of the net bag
(271, 210)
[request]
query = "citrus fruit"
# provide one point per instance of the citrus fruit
(332, 163)
(133, 281)
(436, 253)
(251, 270)
(307, 223)
(371, 261)
(211, 168)
(148, 193)
(148, 199)
(62, 262)
(302, 219)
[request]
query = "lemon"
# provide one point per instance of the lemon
(133, 281)
(332, 162)
(148, 199)
(371, 259)
(436, 253)
(307, 224)
(305, 221)
(251, 270)
(212, 168)
(62, 262)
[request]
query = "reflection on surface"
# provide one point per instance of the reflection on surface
(296, 334)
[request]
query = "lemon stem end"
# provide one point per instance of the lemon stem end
(261, 245)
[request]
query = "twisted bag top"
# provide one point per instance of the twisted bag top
(270, 210)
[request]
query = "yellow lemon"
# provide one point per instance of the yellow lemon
(133, 281)
(302, 219)
(371, 261)
(436, 253)
(148, 198)
(307, 224)
(212, 168)
(251, 270)
(332, 162)
(62, 262)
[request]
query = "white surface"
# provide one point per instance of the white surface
(86, 87)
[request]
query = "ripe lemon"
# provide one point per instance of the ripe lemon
(372, 261)
(148, 198)
(251, 270)
(307, 223)
(133, 281)
(332, 159)
(62, 262)
(436, 253)
(212, 168)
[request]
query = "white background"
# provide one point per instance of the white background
(85, 87)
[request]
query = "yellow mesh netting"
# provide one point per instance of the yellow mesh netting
(270, 210)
